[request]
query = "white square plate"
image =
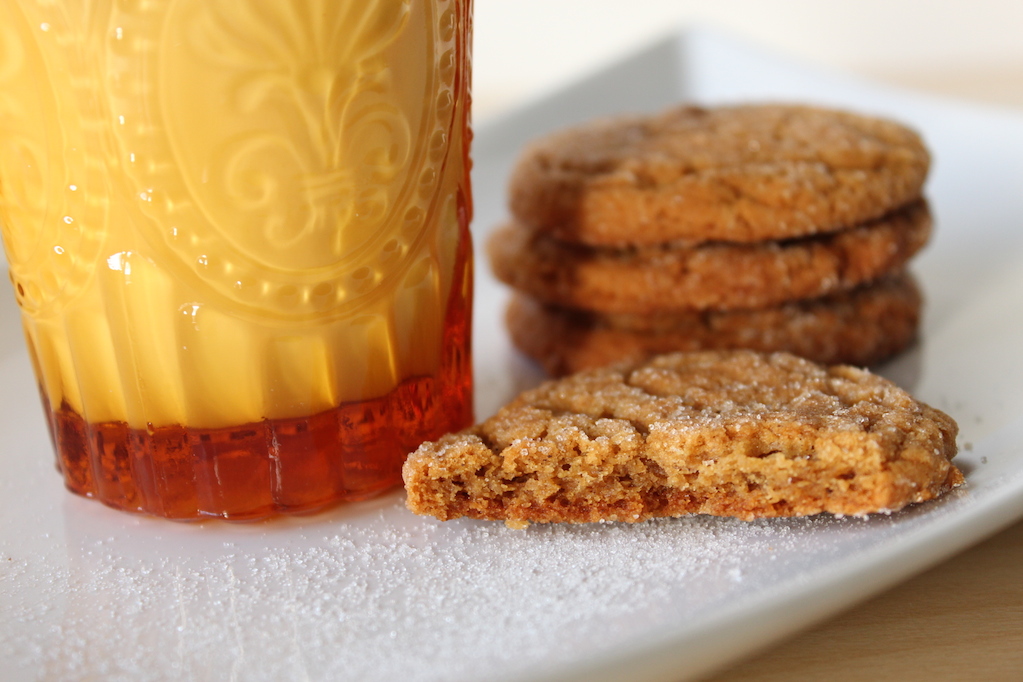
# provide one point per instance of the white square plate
(370, 592)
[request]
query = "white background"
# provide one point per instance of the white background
(524, 48)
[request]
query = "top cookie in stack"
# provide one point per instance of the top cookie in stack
(772, 227)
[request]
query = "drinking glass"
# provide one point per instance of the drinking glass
(237, 232)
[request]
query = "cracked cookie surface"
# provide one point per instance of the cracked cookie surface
(742, 173)
(734, 433)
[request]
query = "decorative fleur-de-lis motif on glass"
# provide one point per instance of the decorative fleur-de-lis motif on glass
(314, 75)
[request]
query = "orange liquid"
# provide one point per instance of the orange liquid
(276, 465)
(238, 234)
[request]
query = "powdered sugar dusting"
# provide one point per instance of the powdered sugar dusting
(372, 592)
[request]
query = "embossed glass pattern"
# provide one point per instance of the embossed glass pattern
(238, 234)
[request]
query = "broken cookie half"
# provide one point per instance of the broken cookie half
(734, 433)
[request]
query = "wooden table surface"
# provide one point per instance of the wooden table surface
(961, 620)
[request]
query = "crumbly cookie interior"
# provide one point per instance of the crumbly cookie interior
(733, 433)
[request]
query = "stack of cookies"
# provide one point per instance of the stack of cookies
(768, 227)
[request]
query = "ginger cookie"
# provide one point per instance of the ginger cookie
(861, 327)
(743, 174)
(734, 433)
(712, 275)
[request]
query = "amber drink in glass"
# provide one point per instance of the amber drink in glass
(237, 231)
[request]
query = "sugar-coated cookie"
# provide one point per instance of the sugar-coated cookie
(712, 275)
(742, 173)
(734, 433)
(860, 327)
